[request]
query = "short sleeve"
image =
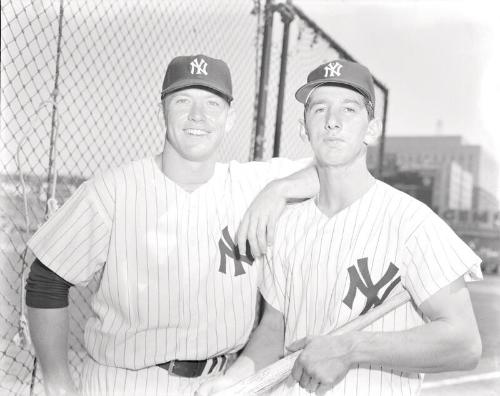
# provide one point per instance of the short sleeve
(282, 167)
(434, 257)
(74, 241)
(259, 173)
(273, 282)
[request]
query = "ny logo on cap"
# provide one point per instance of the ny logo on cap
(332, 69)
(198, 67)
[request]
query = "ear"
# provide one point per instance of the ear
(373, 131)
(163, 110)
(231, 119)
(303, 131)
(161, 115)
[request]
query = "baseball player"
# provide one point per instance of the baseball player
(176, 298)
(345, 251)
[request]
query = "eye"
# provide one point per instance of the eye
(319, 110)
(349, 109)
(181, 100)
(213, 103)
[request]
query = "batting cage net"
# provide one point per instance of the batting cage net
(81, 83)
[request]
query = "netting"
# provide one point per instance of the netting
(91, 103)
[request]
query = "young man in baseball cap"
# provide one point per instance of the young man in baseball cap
(177, 298)
(345, 251)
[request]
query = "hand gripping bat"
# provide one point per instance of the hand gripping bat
(268, 377)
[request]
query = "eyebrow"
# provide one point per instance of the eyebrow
(314, 103)
(209, 96)
(179, 94)
(355, 101)
(322, 101)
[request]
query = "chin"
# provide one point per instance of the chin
(337, 158)
(331, 160)
(199, 157)
(337, 162)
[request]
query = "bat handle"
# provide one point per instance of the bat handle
(264, 379)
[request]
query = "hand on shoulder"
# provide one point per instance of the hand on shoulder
(259, 222)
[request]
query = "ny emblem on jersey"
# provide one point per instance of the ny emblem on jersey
(199, 66)
(332, 69)
(365, 284)
(228, 248)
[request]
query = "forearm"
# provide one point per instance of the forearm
(49, 333)
(264, 347)
(434, 347)
(259, 222)
(297, 186)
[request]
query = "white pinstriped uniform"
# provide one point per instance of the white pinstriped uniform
(164, 292)
(317, 261)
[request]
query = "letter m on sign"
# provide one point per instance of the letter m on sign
(362, 281)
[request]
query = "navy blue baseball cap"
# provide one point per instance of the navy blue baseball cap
(339, 72)
(198, 71)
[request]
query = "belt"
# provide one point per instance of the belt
(196, 368)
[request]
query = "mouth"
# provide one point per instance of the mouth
(196, 132)
(333, 141)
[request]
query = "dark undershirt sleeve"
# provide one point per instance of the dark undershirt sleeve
(46, 289)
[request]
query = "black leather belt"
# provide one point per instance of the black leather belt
(195, 368)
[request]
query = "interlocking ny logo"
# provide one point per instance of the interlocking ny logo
(229, 249)
(332, 69)
(366, 285)
(198, 67)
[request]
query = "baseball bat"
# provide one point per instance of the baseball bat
(266, 378)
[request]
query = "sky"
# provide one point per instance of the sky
(439, 59)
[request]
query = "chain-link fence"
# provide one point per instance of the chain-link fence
(81, 84)
(80, 93)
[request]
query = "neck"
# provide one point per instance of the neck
(187, 174)
(341, 186)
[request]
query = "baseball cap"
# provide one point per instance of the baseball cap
(198, 71)
(339, 72)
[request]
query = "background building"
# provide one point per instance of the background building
(456, 180)
(465, 177)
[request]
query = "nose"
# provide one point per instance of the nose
(196, 112)
(333, 123)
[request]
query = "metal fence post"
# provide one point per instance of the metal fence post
(264, 81)
(286, 17)
(380, 164)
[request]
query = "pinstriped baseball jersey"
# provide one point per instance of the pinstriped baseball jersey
(324, 271)
(173, 286)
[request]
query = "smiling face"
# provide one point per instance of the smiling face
(196, 120)
(337, 124)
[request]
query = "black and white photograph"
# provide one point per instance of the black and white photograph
(250, 197)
